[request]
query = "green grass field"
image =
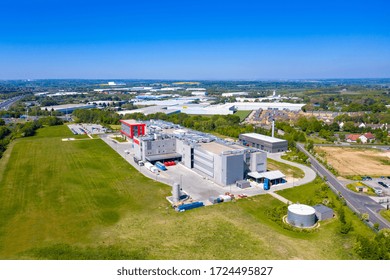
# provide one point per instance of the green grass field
(286, 169)
(80, 200)
(243, 114)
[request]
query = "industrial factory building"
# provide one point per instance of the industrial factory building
(155, 147)
(263, 142)
(131, 128)
(218, 160)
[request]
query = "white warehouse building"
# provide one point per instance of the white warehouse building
(231, 94)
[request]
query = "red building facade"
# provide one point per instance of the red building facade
(131, 128)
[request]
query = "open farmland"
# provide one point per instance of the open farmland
(80, 200)
(356, 161)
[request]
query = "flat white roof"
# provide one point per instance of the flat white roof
(271, 175)
(262, 105)
(217, 148)
(131, 122)
(66, 106)
(264, 137)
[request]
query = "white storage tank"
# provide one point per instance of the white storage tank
(301, 215)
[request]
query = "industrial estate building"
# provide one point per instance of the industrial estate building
(131, 128)
(263, 142)
(184, 105)
(221, 161)
(68, 108)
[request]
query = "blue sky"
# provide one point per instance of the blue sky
(194, 39)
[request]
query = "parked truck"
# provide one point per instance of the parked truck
(151, 167)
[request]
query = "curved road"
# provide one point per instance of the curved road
(358, 203)
(310, 175)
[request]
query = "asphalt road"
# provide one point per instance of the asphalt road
(358, 203)
(9, 102)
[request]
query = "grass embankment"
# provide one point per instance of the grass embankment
(354, 185)
(115, 127)
(243, 114)
(119, 139)
(80, 200)
(288, 170)
(386, 214)
(317, 140)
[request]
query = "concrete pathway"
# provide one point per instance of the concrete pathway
(279, 197)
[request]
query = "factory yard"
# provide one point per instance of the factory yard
(81, 200)
(201, 188)
(357, 161)
(197, 186)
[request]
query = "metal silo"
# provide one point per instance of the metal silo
(176, 192)
(301, 215)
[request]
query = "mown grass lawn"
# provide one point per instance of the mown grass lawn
(243, 114)
(352, 187)
(286, 169)
(80, 200)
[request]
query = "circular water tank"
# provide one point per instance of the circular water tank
(301, 215)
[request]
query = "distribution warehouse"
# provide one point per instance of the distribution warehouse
(221, 161)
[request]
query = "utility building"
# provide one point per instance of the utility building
(263, 142)
(323, 212)
(131, 128)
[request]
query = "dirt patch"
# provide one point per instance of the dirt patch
(353, 161)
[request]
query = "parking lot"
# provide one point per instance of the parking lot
(375, 184)
(84, 128)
